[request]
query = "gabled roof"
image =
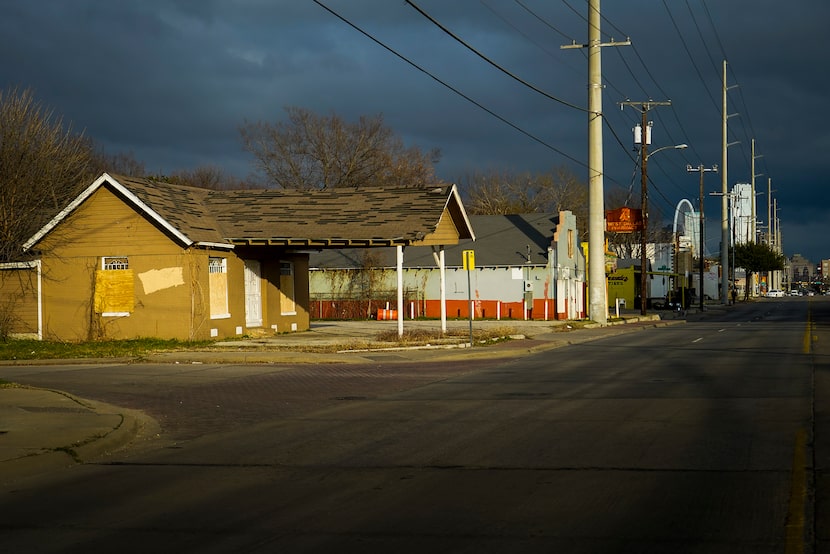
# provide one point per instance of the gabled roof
(501, 241)
(175, 209)
(337, 217)
(325, 218)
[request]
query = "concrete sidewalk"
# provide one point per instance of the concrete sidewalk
(43, 430)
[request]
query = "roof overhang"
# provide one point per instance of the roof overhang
(465, 231)
(218, 245)
(319, 243)
(30, 264)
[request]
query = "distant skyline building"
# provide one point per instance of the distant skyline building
(741, 213)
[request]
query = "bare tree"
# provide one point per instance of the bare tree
(629, 245)
(208, 177)
(310, 151)
(494, 192)
(124, 163)
(43, 164)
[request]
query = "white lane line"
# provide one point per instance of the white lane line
(697, 340)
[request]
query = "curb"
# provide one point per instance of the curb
(133, 425)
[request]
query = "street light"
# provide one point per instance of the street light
(644, 201)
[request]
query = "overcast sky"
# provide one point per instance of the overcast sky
(171, 81)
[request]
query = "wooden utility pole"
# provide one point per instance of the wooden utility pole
(702, 170)
(645, 140)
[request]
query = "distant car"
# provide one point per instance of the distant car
(775, 293)
(795, 293)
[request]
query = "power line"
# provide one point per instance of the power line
(450, 87)
(525, 35)
(544, 22)
(491, 62)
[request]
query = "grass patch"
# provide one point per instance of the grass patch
(25, 349)
(574, 325)
(419, 337)
(44, 350)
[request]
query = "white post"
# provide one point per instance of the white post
(399, 252)
(443, 271)
(39, 266)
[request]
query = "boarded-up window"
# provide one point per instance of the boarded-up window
(570, 243)
(218, 284)
(114, 287)
(287, 304)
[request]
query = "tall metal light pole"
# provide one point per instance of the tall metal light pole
(700, 169)
(724, 254)
(596, 202)
(598, 308)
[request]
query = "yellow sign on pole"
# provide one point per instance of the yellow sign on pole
(469, 259)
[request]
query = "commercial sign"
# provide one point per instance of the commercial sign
(624, 220)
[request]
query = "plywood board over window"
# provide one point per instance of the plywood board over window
(218, 284)
(114, 287)
(288, 305)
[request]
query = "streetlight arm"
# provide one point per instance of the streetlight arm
(676, 147)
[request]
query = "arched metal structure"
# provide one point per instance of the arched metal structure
(677, 210)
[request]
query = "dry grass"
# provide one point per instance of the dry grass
(418, 337)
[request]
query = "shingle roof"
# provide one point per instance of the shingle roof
(181, 206)
(501, 240)
(338, 217)
(365, 214)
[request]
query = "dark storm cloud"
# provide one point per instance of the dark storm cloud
(172, 81)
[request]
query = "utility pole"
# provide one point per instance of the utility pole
(754, 236)
(644, 141)
(724, 224)
(777, 237)
(701, 170)
(597, 295)
(770, 228)
(754, 226)
(769, 210)
(725, 241)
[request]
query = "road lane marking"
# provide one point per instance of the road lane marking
(697, 340)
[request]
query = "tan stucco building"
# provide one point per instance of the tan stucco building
(134, 258)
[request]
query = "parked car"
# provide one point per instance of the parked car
(775, 293)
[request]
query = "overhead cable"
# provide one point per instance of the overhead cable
(491, 62)
(450, 87)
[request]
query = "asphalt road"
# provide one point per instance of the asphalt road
(706, 437)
